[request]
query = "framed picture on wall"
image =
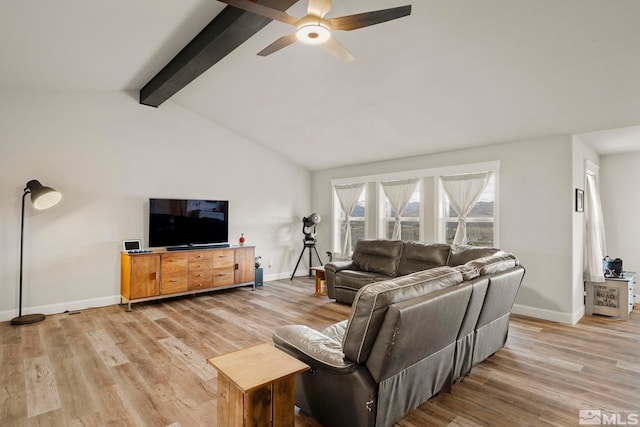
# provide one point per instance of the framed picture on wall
(579, 200)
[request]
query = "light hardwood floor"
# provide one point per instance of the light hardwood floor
(107, 367)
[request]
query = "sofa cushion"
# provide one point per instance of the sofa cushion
(461, 254)
(371, 303)
(355, 279)
(500, 261)
(417, 256)
(378, 255)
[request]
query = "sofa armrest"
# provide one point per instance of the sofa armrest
(313, 348)
(330, 270)
(336, 266)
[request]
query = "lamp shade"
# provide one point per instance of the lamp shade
(42, 197)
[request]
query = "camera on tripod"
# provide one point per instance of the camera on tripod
(309, 227)
(309, 224)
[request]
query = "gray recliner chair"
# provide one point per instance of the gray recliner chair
(394, 352)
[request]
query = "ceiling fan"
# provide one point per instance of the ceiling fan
(314, 29)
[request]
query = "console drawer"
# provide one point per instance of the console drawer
(200, 279)
(200, 261)
(223, 276)
(223, 258)
(174, 263)
(173, 282)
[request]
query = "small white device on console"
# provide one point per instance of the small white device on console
(134, 247)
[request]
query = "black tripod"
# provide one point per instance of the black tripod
(308, 244)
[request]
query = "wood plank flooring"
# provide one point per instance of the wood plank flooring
(107, 367)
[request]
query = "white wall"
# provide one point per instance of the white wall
(536, 203)
(620, 195)
(582, 153)
(108, 155)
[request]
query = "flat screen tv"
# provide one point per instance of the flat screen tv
(187, 222)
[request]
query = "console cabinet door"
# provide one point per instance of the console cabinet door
(144, 276)
(245, 265)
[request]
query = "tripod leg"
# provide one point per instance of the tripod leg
(310, 261)
(297, 263)
(318, 255)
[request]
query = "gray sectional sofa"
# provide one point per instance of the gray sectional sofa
(376, 260)
(406, 339)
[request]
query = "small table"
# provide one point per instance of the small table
(321, 288)
(255, 387)
(613, 298)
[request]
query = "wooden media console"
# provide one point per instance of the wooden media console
(161, 274)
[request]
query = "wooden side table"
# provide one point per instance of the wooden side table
(255, 387)
(320, 289)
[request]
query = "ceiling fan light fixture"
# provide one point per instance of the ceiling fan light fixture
(313, 30)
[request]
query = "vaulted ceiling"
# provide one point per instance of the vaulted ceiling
(454, 74)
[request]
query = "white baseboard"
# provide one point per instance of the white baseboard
(62, 307)
(277, 276)
(552, 315)
(94, 302)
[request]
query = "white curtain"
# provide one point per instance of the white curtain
(398, 193)
(595, 249)
(348, 196)
(463, 192)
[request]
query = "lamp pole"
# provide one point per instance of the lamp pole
(24, 196)
(27, 318)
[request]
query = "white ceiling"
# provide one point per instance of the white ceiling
(454, 74)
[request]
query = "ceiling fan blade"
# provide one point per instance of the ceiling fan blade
(319, 7)
(360, 20)
(261, 10)
(334, 47)
(281, 43)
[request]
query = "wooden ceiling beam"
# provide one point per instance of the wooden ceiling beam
(222, 35)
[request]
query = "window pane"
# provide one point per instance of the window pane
(410, 230)
(358, 211)
(451, 231)
(357, 232)
(389, 229)
(478, 233)
(389, 212)
(413, 208)
(482, 209)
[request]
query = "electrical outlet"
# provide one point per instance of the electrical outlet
(269, 264)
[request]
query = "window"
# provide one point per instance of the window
(409, 219)
(350, 201)
(357, 221)
(419, 195)
(480, 221)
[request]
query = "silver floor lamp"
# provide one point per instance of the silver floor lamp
(42, 198)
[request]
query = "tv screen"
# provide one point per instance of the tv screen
(179, 222)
